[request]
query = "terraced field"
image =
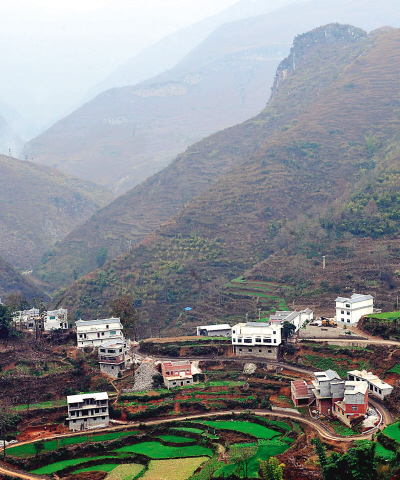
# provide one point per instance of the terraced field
(173, 457)
(270, 294)
(258, 431)
(178, 469)
(28, 450)
(157, 450)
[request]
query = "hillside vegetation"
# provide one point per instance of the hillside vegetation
(39, 206)
(131, 217)
(12, 281)
(344, 91)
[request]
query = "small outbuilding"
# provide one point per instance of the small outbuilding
(223, 330)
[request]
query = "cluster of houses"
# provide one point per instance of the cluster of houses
(346, 400)
(260, 339)
(52, 320)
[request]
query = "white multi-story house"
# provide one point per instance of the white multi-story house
(88, 411)
(295, 318)
(350, 310)
(92, 333)
(376, 386)
(112, 357)
(56, 319)
(257, 339)
(53, 319)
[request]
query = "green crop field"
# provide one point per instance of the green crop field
(178, 469)
(258, 431)
(28, 450)
(175, 439)
(393, 431)
(187, 429)
(42, 405)
(395, 369)
(104, 467)
(385, 315)
(55, 467)
(158, 451)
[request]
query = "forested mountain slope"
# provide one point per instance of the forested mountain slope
(341, 138)
(131, 217)
(40, 205)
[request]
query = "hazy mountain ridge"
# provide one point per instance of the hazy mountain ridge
(131, 217)
(166, 53)
(290, 179)
(40, 206)
(125, 135)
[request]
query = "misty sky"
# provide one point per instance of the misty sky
(54, 51)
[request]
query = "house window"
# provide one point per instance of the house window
(239, 340)
(258, 340)
(247, 340)
(342, 312)
(259, 350)
(250, 349)
(274, 333)
(102, 350)
(107, 326)
(348, 313)
(269, 351)
(274, 340)
(267, 340)
(103, 418)
(240, 349)
(342, 319)
(73, 421)
(348, 320)
(113, 332)
(347, 305)
(234, 331)
(354, 408)
(102, 334)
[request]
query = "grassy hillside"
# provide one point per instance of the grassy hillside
(275, 203)
(131, 217)
(39, 206)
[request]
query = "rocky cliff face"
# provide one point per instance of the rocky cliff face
(304, 44)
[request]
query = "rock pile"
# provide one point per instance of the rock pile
(143, 378)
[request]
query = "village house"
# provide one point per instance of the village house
(257, 339)
(328, 389)
(350, 310)
(53, 319)
(376, 386)
(295, 318)
(92, 333)
(112, 357)
(224, 330)
(177, 374)
(301, 393)
(88, 411)
(354, 403)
